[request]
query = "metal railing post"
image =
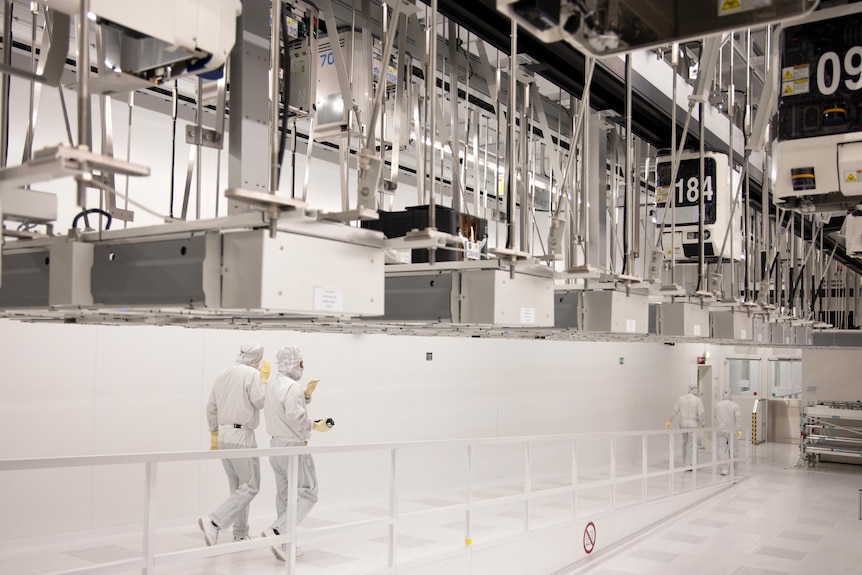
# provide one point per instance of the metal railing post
(613, 475)
(528, 483)
(149, 543)
(292, 501)
(574, 478)
(393, 507)
(671, 462)
(468, 514)
(644, 468)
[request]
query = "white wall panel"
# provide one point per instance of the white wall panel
(72, 390)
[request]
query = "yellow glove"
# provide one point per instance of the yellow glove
(309, 389)
(739, 434)
(213, 440)
(264, 371)
(667, 425)
(320, 425)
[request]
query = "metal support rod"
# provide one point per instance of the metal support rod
(454, 144)
(585, 145)
(747, 227)
(431, 110)
(629, 201)
(525, 231)
(149, 543)
(731, 113)
(672, 192)
(381, 85)
(511, 167)
(700, 205)
(5, 81)
(274, 89)
(129, 153)
(85, 134)
(31, 117)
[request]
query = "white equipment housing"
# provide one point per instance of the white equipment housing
(818, 155)
(333, 117)
(853, 234)
(681, 242)
(151, 42)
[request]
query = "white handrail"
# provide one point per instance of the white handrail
(150, 560)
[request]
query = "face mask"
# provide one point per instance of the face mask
(296, 373)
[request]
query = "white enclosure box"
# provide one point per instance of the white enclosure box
(28, 206)
(802, 335)
(853, 235)
(731, 324)
(69, 274)
(780, 333)
(492, 296)
(303, 274)
(683, 319)
(333, 118)
(758, 330)
(614, 312)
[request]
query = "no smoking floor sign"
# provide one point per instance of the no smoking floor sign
(590, 537)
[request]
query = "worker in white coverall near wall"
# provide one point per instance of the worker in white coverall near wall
(233, 413)
(288, 423)
(689, 407)
(727, 417)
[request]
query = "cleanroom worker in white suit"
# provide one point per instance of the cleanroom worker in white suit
(726, 416)
(288, 423)
(689, 407)
(233, 413)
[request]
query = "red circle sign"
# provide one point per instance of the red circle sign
(590, 537)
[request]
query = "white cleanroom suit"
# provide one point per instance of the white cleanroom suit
(234, 411)
(288, 423)
(689, 407)
(727, 416)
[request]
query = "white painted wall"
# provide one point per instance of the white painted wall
(831, 375)
(74, 390)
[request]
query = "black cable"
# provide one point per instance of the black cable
(174, 147)
(795, 285)
(285, 93)
(85, 213)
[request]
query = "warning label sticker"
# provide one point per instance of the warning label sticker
(728, 7)
(798, 72)
(852, 176)
(795, 87)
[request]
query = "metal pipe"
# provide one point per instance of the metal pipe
(198, 158)
(274, 89)
(31, 117)
(525, 231)
(731, 113)
(511, 169)
(628, 199)
(431, 110)
(700, 204)
(5, 81)
(454, 143)
(585, 145)
(672, 190)
(85, 134)
(747, 227)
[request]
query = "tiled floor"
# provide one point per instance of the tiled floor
(783, 520)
